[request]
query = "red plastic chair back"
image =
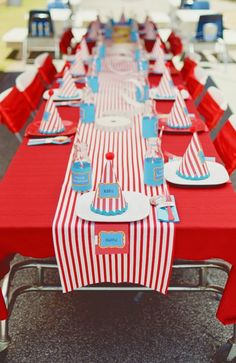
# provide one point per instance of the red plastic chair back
(14, 110)
(225, 144)
(210, 110)
(34, 91)
(176, 46)
(194, 87)
(188, 67)
(65, 41)
(47, 71)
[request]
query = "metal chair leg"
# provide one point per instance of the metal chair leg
(4, 337)
(227, 352)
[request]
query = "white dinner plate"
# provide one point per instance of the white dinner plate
(218, 174)
(56, 95)
(138, 208)
(155, 96)
(113, 122)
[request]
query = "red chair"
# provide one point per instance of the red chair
(14, 110)
(212, 106)
(225, 144)
(175, 44)
(65, 42)
(190, 62)
(196, 82)
(45, 67)
(32, 86)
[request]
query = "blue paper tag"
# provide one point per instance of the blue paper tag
(108, 190)
(46, 116)
(111, 239)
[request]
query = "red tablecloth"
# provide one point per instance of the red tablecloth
(30, 190)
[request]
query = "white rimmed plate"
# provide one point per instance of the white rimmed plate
(56, 95)
(113, 122)
(138, 208)
(153, 94)
(218, 174)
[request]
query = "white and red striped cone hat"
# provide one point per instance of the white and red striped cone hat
(178, 117)
(150, 32)
(159, 66)
(51, 122)
(109, 199)
(157, 50)
(77, 68)
(68, 88)
(193, 165)
(166, 87)
(84, 49)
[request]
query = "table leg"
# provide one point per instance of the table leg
(227, 352)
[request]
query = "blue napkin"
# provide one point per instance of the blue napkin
(162, 213)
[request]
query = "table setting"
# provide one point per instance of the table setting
(126, 189)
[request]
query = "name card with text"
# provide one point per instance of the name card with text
(111, 238)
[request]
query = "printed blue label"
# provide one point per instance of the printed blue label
(81, 178)
(111, 239)
(158, 172)
(108, 190)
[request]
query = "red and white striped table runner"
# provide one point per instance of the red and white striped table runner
(149, 260)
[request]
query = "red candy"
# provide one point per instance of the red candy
(50, 92)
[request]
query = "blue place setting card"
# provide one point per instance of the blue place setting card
(108, 190)
(111, 239)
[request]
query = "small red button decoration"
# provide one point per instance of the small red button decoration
(110, 156)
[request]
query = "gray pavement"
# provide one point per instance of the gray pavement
(107, 327)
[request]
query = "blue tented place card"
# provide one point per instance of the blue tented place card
(108, 190)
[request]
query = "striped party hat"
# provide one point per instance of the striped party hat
(77, 68)
(159, 66)
(157, 50)
(68, 88)
(166, 87)
(51, 122)
(109, 199)
(84, 49)
(178, 117)
(150, 32)
(193, 164)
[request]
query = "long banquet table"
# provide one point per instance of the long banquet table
(30, 190)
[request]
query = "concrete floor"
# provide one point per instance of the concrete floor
(109, 327)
